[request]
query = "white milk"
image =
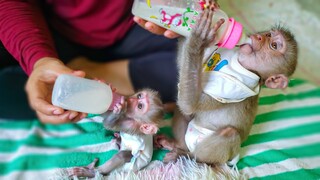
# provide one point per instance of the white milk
(179, 20)
(180, 17)
(82, 95)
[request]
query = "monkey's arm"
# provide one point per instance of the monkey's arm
(110, 118)
(116, 161)
(219, 147)
(190, 76)
(190, 59)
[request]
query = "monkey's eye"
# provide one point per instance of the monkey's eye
(268, 34)
(274, 45)
(139, 96)
(140, 106)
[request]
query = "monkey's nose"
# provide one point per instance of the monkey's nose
(132, 101)
(259, 37)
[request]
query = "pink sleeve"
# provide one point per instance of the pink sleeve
(24, 33)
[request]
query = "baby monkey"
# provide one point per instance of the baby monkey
(137, 119)
(218, 99)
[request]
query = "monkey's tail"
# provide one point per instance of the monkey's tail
(217, 148)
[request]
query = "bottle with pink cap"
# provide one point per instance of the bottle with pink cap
(83, 95)
(181, 15)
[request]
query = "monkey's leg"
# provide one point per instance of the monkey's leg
(219, 147)
(175, 154)
(179, 146)
(162, 141)
(117, 160)
(86, 171)
(179, 127)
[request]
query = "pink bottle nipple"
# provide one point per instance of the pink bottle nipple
(116, 98)
(232, 36)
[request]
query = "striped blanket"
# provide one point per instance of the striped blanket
(284, 142)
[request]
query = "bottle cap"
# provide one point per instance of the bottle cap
(116, 98)
(232, 36)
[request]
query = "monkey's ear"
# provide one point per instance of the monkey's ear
(149, 128)
(279, 81)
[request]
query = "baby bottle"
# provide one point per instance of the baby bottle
(181, 15)
(83, 95)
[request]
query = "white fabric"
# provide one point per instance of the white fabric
(141, 148)
(226, 80)
(195, 134)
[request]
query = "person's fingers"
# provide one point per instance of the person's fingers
(79, 117)
(155, 29)
(149, 26)
(38, 102)
(46, 108)
(79, 73)
(54, 119)
(73, 115)
(66, 117)
(141, 22)
(170, 34)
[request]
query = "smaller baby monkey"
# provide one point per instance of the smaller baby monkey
(217, 105)
(137, 119)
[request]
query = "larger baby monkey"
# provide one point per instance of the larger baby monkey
(217, 105)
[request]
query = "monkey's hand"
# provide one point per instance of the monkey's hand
(204, 32)
(117, 108)
(116, 135)
(173, 155)
(210, 4)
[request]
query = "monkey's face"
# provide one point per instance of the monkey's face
(138, 104)
(265, 53)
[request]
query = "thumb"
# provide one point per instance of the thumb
(79, 73)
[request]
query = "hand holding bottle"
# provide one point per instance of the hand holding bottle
(39, 87)
(180, 16)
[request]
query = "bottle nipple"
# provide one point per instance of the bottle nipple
(116, 98)
(244, 39)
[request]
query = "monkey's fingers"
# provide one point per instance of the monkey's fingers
(83, 172)
(215, 28)
(217, 25)
(116, 135)
(171, 156)
(117, 108)
(201, 22)
(213, 4)
(207, 27)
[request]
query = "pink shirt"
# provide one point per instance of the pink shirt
(97, 24)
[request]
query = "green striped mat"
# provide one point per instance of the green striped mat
(284, 142)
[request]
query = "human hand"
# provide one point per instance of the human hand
(39, 90)
(155, 28)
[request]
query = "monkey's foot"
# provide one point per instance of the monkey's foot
(162, 141)
(171, 156)
(83, 172)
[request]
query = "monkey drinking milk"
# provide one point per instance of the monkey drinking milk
(218, 100)
(136, 118)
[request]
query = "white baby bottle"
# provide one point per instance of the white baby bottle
(83, 95)
(181, 15)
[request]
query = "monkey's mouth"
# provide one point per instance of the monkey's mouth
(247, 48)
